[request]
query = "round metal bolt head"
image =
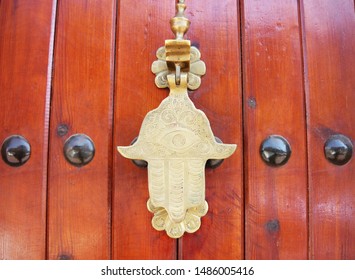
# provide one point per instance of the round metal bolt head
(79, 150)
(338, 149)
(15, 150)
(275, 150)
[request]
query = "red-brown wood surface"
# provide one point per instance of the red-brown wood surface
(329, 33)
(142, 28)
(215, 30)
(297, 60)
(79, 198)
(25, 28)
(276, 198)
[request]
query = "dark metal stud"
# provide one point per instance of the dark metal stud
(64, 257)
(62, 130)
(139, 162)
(338, 149)
(252, 102)
(79, 150)
(15, 150)
(275, 150)
(272, 226)
(214, 163)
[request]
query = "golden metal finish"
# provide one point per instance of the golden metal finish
(180, 24)
(176, 138)
(197, 69)
(178, 56)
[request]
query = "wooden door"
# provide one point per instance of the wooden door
(83, 67)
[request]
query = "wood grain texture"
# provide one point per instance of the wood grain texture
(79, 198)
(215, 31)
(329, 35)
(297, 61)
(276, 198)
(142, 28)
(25, 28)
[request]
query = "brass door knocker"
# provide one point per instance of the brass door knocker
(176, 139)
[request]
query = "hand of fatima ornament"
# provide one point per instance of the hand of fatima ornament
(176, 139)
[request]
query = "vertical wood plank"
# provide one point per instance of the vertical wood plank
(276, 198)
(79, 198)
(142, 28)
(215, 31)
(25, 31)
(329, 33)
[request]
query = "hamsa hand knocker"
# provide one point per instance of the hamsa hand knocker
(176, 139)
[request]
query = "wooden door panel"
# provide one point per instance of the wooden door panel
(215, 31)
(329, 35)
(276, 197)
(25, 32)
(274, 67)
(142, 28)
(79, 198)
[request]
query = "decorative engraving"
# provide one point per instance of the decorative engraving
(197, 69)
(176, 140)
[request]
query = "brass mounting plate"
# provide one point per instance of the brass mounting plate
(161, 70)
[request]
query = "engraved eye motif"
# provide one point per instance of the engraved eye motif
(180, 140)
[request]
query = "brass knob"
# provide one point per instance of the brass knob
(79, 150)
(15, 150)
(338, 149)
(275, 150)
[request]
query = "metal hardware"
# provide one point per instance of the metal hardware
(176, 139)
(338, 149)
(79, 150)
(15, 150)
(180, 24)
(272, 226)
(214, 163)
(211, 163)
(138, 162)
(161, 70)
(177, 52)
(275, 150)
(177, 56)
(62, 130)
